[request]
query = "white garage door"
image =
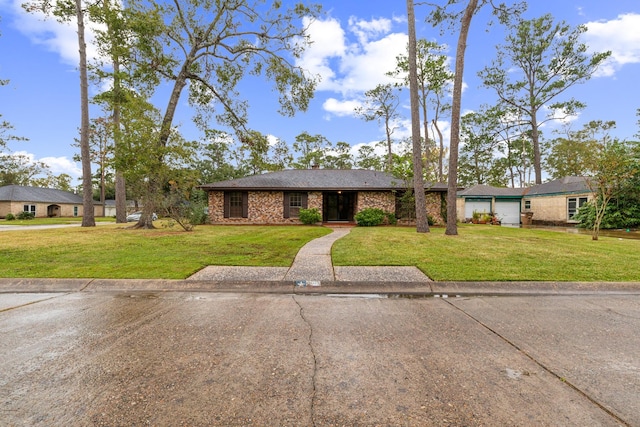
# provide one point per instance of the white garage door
(476, 205)
(508, 211)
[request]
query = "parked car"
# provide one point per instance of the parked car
(135, 217)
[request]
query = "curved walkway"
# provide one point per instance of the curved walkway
(311, 266)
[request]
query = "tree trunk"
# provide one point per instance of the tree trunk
(440, 174)
(154, 185)
(452, 184)
(427, 155)
(389, 144)
(88, 219)
(422, 222)
(121, 189)
(535, 140)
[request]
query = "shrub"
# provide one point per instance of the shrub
(391, 218)
(310, 216)
(370, 217)
(10, 217)
(25, 215)
(198, 213)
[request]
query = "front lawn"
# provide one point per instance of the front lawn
(114, 251)
(478, 253)
(493, 253)
(54, 221)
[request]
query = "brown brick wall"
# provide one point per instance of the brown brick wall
(265, 207)
(384, 200)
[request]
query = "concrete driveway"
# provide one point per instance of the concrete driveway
(194, 358)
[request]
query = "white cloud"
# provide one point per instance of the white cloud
(341, 108)
(354, 61)
(559, 117)
(58, 165)
(58, 37)
(365, 30)
(620, 36)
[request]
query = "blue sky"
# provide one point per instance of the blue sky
(355, 43)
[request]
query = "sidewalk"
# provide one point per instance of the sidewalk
(312, 272)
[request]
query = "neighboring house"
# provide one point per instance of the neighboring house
(277, 197)
(551, 203)
(556, 202)
(110, 207)
(502, 202)
(42, 202)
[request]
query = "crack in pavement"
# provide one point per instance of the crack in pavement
(315, 361)
(542, 365)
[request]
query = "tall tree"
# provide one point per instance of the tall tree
(573, 153)
(422, 222)
(210, 47)
(381, 104)
(550, 59)
(312, 149)
(114, 40)
(368, 159)
(452, 181)
(339, 157)
(433, 76)
(20, 169)
(438, 16)
(74, 11)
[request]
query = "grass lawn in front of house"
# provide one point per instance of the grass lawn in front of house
(493, 253)
(115, 251)
(53, 221)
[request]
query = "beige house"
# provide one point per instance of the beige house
(277, 197)
(42, 202)
(552, 203)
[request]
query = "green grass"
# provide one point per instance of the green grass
(477, 253)
(493, 254)
(114, 251)
(52, 221)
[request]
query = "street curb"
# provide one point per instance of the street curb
(435, 289)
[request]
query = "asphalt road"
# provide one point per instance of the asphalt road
(200, 359)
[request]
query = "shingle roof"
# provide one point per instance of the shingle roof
(19, 193)
(488, 190)
(317, 179)
(568, 184)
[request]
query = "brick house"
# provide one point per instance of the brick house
(42, 202)
(552, 203)
(277, 197)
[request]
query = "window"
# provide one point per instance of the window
(75, 211)
(573, 204)
(236, 204)
(527, 204)
(293, 202)
(30, 208)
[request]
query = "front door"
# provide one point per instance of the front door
(338, 206)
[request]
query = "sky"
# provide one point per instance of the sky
(354, 44)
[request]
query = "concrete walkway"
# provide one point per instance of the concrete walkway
(311, 267)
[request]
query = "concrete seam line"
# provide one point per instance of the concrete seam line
(315, 361)
(33, 302)
(87, 285)
(543, 366)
